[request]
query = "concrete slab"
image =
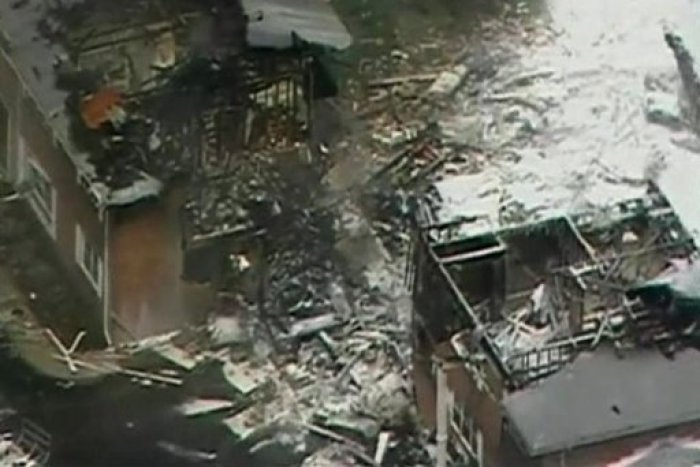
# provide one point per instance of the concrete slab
(244, 377)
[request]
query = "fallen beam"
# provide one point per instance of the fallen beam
(387, 82)
(382, 444)
(309, 326)
(110, 367)
(473, 255)
(65, 353)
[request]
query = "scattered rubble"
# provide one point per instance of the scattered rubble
(448, 82)
(28, 447)
(316, 342)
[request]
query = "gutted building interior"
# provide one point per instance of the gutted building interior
(522, 312)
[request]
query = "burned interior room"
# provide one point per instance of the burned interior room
(522, 303)
(555, 279)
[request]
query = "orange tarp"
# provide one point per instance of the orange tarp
(97, 108)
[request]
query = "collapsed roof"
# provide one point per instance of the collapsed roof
(554, 304)
(279, 23)
(123, 86)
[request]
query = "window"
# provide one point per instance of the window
(468, 437)
(89, 259)
(463, 423)
(42, 195)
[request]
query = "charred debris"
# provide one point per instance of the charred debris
(309, 355)
(532, 317)
(209, 108)
(313, 358)
(532, 297)
(222, 113)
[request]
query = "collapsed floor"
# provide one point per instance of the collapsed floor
(546, 292)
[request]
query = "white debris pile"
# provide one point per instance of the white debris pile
(323, 359)
(530, 327)
(339, 375)
(330, 456)
(569, 125)
(12, 455)
(388, 400)
(449, 81)
(227, 330)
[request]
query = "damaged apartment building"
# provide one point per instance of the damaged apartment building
(141, 132)
(556, 342)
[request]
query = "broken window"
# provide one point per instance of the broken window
(42, 195)
(89, 259)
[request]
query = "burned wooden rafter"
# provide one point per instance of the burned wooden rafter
(477, 255)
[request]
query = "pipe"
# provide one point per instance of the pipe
(106, 280)
(442, 414)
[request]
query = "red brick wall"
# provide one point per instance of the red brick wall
(72, 204)
(482, 404)
(145, 259)
(147, 294)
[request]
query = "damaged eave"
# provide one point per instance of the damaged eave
(281, 24)
(143, 188)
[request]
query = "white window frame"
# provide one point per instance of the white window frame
(81, 249)
(5, 168)
(468, 437)
(46, 214)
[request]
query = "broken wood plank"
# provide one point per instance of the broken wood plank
(245, 377)
(355, 448)
(472, 255)
(194, 407)
(146, 375)
(382, 444)
(308, 326)
(76, 342)
(63, 350)
(584, 243)
(396, 80)
(329, 343)
(516, 99)
(176, 355)
(111, 367)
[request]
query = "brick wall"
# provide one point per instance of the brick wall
(30, 136)
(148, 295)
